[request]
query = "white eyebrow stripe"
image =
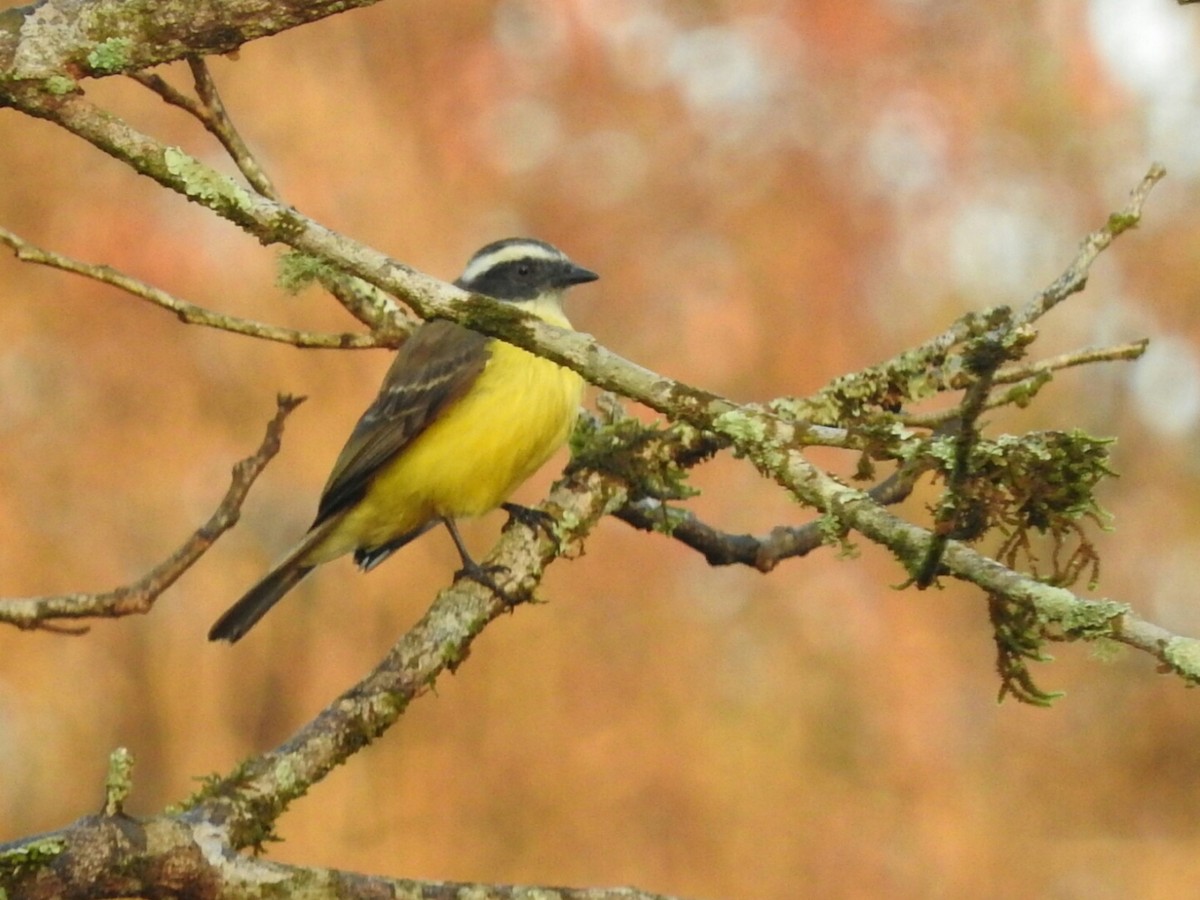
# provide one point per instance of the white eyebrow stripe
(507, 253)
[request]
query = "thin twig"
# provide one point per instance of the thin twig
(1074, 278)
(364, 301)
(170, 94)
(210, 111)
(1027, 377)
(1117, 352)
(139, 597)
(721, 548)
(186, 312)
(220, 126)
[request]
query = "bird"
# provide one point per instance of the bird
(460, 421)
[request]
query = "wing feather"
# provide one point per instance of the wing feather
(433, 368)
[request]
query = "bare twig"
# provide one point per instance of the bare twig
(1118, 352)
(220, 125)
(170, 94)
(139, 597)
(364, 301)
(186, 312)
(209, 110)
(1074, 278)
(1027, 377)
(764, 553)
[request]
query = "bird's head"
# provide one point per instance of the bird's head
(529, 273)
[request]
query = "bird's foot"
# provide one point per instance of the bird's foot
(534, 519)
(485, 575)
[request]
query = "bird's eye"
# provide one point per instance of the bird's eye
(523, 269)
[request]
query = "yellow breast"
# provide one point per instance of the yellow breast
(518, 413)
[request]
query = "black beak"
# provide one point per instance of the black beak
(574, 274)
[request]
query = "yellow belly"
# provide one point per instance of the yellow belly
(517, 414)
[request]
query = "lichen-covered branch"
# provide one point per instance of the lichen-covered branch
(188, 313)
(250, 799)
(209, 110)
(53, 43)
(768, 436)
(621, 467)
(113, 855)
(1026, 379)
(430, 297)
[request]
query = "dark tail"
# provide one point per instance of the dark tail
(257, 601)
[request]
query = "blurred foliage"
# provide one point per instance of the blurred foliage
(774, 194)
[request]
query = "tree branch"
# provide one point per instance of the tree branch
(63, 40)
(139, 597)
(188, 313)
(429, 297)
(209, 110)
(252, 797)
(112, 855)
(764, 553)
(770, 441)
(45, 48)
(1074, 279)
(1026, 379)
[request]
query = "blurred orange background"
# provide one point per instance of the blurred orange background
(773, 193)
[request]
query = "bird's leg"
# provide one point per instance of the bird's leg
(473, 570)
(533, 519)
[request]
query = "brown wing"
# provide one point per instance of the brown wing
(432, 369)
